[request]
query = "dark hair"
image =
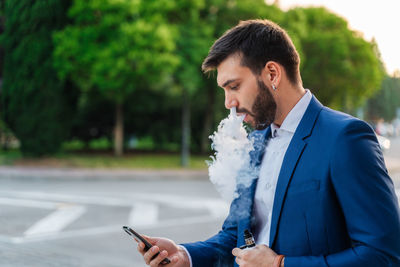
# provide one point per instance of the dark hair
(257, 42)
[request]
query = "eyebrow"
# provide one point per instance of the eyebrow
(228, 82)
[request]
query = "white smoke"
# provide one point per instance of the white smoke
(230, 164)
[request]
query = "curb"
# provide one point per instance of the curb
(11, 172)
(81, 173)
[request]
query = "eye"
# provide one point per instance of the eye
(234, 87)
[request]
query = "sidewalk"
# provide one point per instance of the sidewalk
(144, 174)
(392, 164)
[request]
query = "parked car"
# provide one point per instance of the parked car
(383, 142)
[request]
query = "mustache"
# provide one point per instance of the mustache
(244, 110)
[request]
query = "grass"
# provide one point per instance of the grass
(9, 157)
(103, 160)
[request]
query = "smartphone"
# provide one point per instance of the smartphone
(140, 238)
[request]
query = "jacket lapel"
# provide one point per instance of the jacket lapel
(292, 156)
(256, 156)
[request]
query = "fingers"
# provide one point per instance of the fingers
(237, 252)
(150, 254)
(160, 249)
(154, 257)
(238, 261)
(157, 260)
(141, 247)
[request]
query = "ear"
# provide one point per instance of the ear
(272, 73)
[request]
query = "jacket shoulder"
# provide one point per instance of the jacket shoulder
(337, 121)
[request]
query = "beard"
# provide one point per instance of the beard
(263, 110)
(264, 107)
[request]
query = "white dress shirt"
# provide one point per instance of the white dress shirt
(275, 151)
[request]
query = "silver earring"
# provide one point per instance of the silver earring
(274, 87)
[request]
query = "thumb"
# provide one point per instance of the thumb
(151, 240)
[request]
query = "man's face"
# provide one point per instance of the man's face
(246, 92)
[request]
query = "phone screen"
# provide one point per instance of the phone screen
(140, 238)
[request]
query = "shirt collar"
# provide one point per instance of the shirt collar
(294, 117)
(274, 130)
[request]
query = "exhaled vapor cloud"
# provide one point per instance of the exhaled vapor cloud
(230, 166)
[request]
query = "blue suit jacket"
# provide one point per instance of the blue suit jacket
(334, 203)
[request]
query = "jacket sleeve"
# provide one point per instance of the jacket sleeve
(217, 250)
(368, 200)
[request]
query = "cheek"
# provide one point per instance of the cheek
(247, 99)
(247, 95)
(251, 102)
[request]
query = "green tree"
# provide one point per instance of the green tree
(37, 106)
(116, 47)
(386, 101)
(340, 67)
(192, 45)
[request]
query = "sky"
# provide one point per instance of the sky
(378, 19)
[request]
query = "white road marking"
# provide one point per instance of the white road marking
(56, 221)
(27, 203)
(94, 200)
(143, 213)
(109, 229)
(217, 207)
(214, 205)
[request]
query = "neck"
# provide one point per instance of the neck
(286, 99)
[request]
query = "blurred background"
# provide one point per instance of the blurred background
(105, 114)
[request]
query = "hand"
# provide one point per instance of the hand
(259, 256)
(167, 248)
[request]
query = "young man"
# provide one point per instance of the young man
(323, 196)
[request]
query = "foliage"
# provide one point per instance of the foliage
(37, 106)
(386, 101)
(145, 56)
(2, 22)
(116, 47)
(113, 45)
(339, 66)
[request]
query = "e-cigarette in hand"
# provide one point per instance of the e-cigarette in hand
(248, 239)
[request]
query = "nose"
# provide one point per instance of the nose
(230, 101)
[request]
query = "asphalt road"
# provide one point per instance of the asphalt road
(52, 219)
(57, 221)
